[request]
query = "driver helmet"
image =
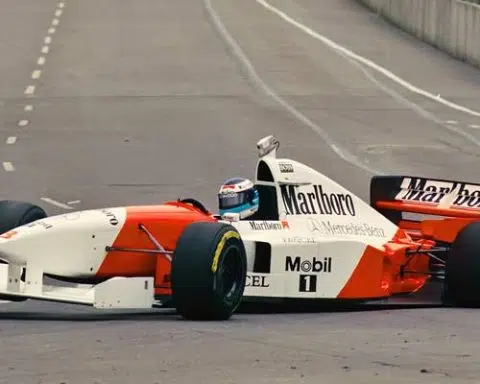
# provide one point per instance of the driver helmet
(238, 195)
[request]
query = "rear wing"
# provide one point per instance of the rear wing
(402, 198)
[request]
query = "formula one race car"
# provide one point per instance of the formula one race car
(311, 238)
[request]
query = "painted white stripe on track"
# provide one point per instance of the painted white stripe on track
(8, 166)
(56, 203)
(36, 74)
(30, 90)
(384, 71)
(343, 153)
(409, 104)
(367, 62)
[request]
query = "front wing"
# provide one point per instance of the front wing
(115, 293)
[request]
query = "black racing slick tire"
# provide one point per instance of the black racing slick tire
(209, 269)
(462, 270)
(16, 213)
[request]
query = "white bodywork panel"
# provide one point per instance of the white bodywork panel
(319, 220)
(72, 244)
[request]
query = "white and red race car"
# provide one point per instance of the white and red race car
(310, 239)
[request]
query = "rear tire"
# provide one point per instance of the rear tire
(16, 213)
(462, 272)
(209, 268)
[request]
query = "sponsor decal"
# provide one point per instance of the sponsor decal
(440, 192)
(300, 240)
(218, 251)
(307, 283)
(269, 225)
(111, 216)
(316, 265)
(257, 281)
(326, 227)
(286, 168)
(40, 223)
(8, 235)
(316, 202)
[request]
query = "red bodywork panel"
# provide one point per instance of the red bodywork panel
(423, 234)
(165, 222)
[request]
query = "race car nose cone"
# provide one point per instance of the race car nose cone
(11, 249)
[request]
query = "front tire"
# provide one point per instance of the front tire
(209, 268)
(462, 272)
(16, 213)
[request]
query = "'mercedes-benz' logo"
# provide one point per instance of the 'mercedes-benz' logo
(326, 227)
(316, 202)
(315, 226)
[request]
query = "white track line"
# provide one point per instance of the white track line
(409, 104)
(56, 203)
(366, 61)
(244, 60)
(36, 74)
(30, 90)
(8, 166)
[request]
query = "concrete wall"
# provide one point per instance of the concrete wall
(450, 25)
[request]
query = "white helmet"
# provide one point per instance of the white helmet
(238, 195)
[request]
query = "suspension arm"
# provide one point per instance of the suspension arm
(159, 249)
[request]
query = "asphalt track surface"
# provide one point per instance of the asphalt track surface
(138, 102)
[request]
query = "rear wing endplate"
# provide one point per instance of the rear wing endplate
(397, 197)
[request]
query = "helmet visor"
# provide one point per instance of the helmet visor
(231, 200)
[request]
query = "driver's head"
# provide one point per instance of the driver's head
(238, 195)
